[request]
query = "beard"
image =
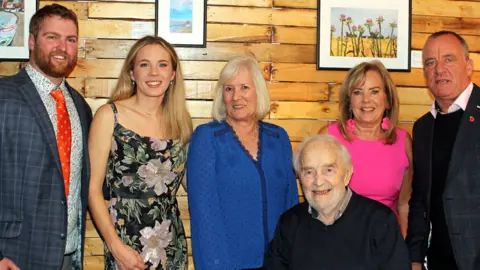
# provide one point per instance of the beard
(53, 69)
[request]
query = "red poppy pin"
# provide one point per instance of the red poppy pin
(471, 119)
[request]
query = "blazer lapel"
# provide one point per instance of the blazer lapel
(32, 98)
(466, 132)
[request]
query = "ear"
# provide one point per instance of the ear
(348, 175)
(470, 66)
(131, 75)
(173, 76)
(31, 42)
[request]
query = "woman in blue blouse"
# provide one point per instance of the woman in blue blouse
(239, 173)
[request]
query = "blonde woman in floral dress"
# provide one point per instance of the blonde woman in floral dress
(137, 148)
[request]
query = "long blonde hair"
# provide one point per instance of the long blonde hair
(357, 76)
(178, 123)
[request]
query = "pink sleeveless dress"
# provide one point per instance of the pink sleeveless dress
(378, 168)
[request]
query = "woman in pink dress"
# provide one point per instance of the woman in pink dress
(381, 152)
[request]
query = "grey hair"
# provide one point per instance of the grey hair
(328, 139)
(457, 36)
(229, 71)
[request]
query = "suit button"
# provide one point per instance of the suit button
(62, 236)
(63, 202)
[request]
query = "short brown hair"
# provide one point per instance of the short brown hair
(50, 11)
(357, 76)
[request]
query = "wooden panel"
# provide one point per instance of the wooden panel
(108, 29)
(406, 95)
(430, 24)
(298, 91)
(296, 3)
(446, 8)
(315, 110)
(78, 84)
(216, 51)
(295, 35)
(299, 129)
(9, 68)
(121, 10)
(238, 33)
(95, 88)
(200, 109)
(80, 8)
(244, 3)
(110, 68)
(261, 16)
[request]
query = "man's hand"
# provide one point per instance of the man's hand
(416, 266)
(7, 264)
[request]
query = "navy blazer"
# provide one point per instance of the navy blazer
(33, 214)
(461, 198)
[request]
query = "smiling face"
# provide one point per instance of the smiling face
(368, 101)
(240, 97)
(446, 68)
(54, 50)
(323, 175)
(152, 71)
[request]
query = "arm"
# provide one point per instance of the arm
(292, 193)
(406, 189)
(391, 249)
(276, 255)
(417, 223)
(99, 143)
(209, 242)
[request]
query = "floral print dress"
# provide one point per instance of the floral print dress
(143, 176)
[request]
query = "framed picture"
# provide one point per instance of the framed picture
(182, 22)
(350, 32)
(14, 21)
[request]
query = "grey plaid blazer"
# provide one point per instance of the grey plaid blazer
(33, 214)
(461, 198)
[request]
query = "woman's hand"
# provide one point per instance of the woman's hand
(126, 257)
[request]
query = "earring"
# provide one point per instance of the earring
(133, 83)
(385, 121)
(351, 123)
(171, 82)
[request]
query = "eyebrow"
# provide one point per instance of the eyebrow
(330, 165)
(146, 60)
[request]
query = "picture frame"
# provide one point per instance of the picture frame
(15, 18)
(350, 32)
(182, 22)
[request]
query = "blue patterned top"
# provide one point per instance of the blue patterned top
(234, 200)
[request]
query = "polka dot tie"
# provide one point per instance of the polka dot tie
(64, 136)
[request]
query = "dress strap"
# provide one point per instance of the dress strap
(115, 112)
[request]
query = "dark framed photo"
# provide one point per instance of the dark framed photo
(14, 21)
(350, 32)
(182, 22)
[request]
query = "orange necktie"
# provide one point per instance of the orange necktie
(64, 136)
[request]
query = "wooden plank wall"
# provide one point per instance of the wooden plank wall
(279, 33)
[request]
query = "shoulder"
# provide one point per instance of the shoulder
(374, 208)
(423, 121)
(7, 85)
(294, 214)
(211, 129)
(274, 130)
(104, 114)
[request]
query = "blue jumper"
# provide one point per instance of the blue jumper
(235, 202)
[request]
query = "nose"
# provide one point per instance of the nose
(154, 70)
(236, 94)
(62, 44)
(439, 66)
(366, 97)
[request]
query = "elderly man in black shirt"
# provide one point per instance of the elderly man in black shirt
(336, 228)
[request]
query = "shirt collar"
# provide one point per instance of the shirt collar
(340, 211)
(43, 84)
(459, 103)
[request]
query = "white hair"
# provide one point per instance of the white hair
(328, 139)
(229, 71)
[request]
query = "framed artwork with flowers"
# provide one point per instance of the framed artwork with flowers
(14, 21)
(350, 32)
(182, 22)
